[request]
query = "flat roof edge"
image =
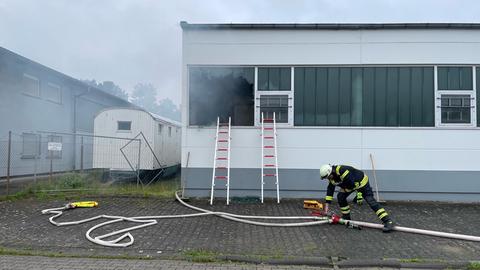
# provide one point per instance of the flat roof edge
(327, 26)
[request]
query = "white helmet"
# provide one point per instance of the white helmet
(325, 170)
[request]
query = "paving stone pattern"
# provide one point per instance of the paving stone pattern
(23, 227)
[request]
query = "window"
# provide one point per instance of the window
(277, 104)
(221, 92)
(52, 92)
(170, 131)
(455, 96)
(124, 125)
(274, 79)
(160, 127)
(31, 85)
(274, 94)
(364, 96)
(30, 145)
(54, 154)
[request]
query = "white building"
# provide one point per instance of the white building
(163, 137)
(403, 93)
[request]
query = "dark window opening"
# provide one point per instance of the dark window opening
(124, 125)
(221, 92)
(274, 79)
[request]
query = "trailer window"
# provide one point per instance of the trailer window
(124, 125)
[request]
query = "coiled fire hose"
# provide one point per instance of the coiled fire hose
(152, 220)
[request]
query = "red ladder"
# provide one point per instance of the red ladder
(221, 165)
(269, 152)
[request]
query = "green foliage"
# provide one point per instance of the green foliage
(474, 265)
(200, 256)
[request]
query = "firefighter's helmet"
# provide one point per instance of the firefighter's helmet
(325, 170)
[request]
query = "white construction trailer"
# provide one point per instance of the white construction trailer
(154, 144)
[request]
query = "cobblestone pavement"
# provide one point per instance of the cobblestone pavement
(23, 227)
(46, 263)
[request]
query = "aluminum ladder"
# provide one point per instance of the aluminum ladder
(269, 152)
(221, 163)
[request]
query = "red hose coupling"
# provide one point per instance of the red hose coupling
(335, 219)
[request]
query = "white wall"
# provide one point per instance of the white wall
(307, 148)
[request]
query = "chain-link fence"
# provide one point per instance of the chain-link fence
(31, 157)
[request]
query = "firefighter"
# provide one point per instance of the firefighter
(349, 180)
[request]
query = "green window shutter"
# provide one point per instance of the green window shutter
(478, 95)
(357, 97)
(404, 97)
(428, 98)
(309, 97)
(380, 100)
(262, 79)
(416, 102)
(274, 79)
(392, 97)
(299, 89)
(321, 87)
(455, 78)
(333, 96)
(285, 78)
(345, 96)
(368, 96)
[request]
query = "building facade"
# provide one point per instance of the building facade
(401, 95)
(38, 104)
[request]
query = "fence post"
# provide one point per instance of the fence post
(81, 154)
(8, 160)
(51, 166)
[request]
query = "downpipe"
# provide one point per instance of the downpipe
(152, 220)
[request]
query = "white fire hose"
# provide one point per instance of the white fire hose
(152, 220)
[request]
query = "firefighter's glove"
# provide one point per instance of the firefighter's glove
(359, 198)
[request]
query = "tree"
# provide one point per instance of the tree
(145, 96)
(109, 87)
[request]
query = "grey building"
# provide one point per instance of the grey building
(36, 98)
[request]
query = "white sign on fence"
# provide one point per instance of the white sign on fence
(54, 146)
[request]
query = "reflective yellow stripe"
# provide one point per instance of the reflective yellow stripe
(359, 185)
(329, 198)
(345, 211)
(379, 211)
(359, 195)
(344, 174)
(383, 215)
(338, 170)
(345, 208)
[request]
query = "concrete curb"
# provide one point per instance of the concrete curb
(348, 263)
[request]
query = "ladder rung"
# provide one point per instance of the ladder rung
(220, 177)
(269, 146)
(223, 124)
(222, 158)
(222, 149)
(222, 140)
(269, 156)
(268, 137)
(269, 174)
(222, 168)
(223, 132)
(268, 128)
(269, 165)
(267, 119)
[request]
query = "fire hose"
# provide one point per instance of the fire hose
(152, 220)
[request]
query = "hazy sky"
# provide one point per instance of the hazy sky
(132, 41)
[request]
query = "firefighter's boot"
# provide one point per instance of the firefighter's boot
(388, 226)
(346, 217)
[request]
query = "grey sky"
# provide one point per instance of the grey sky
(132, 41)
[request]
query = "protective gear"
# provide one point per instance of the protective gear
(325, 170)
(359, 198)
(388, 226)
(346, 217)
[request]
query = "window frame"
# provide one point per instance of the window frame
(57, 87)
(259, 93)
(124, 130)
(31, 77)
(452, 92)
(38, 146)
